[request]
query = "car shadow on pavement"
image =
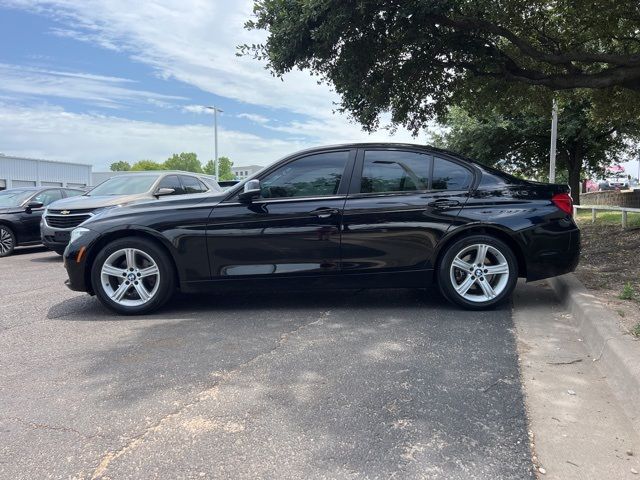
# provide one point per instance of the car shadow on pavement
(53, 258)
(88, 308)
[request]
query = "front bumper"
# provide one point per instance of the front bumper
(54, 239)
(77, 261)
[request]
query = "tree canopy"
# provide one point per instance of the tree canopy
(147, 165)
(225, 171)
(187, 162)
(519, 142)
(416, 58)
(120, 166)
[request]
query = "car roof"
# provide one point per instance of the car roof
(417, 146)
(158, 172)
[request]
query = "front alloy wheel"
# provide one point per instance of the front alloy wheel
(130, 277)
(7, 241)
(478, 272)
(133, 276)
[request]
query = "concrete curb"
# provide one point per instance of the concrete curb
(617, 354)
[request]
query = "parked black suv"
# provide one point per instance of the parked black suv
(20, 213)
(355, 216)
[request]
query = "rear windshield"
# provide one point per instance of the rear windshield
(14, 198)
(124, 185)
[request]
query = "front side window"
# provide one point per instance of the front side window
(450, 176)
(47, 197)
(172, 181)
(312, 176)
(394, 171)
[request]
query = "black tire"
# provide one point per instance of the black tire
(444, 272)
(59, 251)
(167, 277)
(7, 241)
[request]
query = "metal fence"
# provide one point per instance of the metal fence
(594, 208)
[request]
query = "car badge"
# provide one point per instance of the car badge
(65, 212)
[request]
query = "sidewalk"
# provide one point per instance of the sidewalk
(579, 429)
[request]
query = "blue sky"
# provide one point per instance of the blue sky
(100, 81)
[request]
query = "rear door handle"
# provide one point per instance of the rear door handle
(444, 203)
(325, 212)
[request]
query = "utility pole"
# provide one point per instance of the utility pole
(554, 138)
(215, 139)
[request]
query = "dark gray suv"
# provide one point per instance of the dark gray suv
(64, 215)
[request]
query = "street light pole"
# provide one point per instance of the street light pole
(215, 139)
(554, 138)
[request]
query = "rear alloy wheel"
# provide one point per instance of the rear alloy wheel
(133, 276)
(478, 272)
(7, 241)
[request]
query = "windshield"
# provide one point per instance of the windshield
(124, 185)
(14, 198)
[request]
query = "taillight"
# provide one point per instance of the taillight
(564, 202)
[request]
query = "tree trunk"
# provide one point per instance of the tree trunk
(574, 167)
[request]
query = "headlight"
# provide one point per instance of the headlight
(76, 233)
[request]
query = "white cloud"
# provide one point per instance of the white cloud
(94, 89)
(193, 41)
(199, 109)
(53, 133)
(254, 118)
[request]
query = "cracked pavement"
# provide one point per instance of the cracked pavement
(367, 384)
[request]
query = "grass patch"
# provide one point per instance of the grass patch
(635, 330)
(608, 218)
(628, 293)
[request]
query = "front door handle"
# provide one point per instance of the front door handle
(325, 212)
(444, 203)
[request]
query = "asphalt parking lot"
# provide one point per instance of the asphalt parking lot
(367, 384)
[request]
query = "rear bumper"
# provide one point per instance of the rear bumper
(552, 262)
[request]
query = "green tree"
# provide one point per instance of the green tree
(225, 168)
(187, 162)
(120, 166)
(147, 165)
(415, 58)
(519, 142)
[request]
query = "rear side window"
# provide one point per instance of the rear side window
(192, 184)
(450, 176)
(394, 171)
(172, 181)
(74, 193)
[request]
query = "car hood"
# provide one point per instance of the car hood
(133, 212)
(89, 202)
(6, 210)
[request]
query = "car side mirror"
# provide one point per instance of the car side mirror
(164, 191)
(251, 190)
(33, 206)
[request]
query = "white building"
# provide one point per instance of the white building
(32, 172)
(243, 172)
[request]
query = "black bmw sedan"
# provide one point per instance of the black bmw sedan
(348, 216)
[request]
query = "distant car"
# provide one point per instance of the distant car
(20, 212)
(65, 215)
(352, 216)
